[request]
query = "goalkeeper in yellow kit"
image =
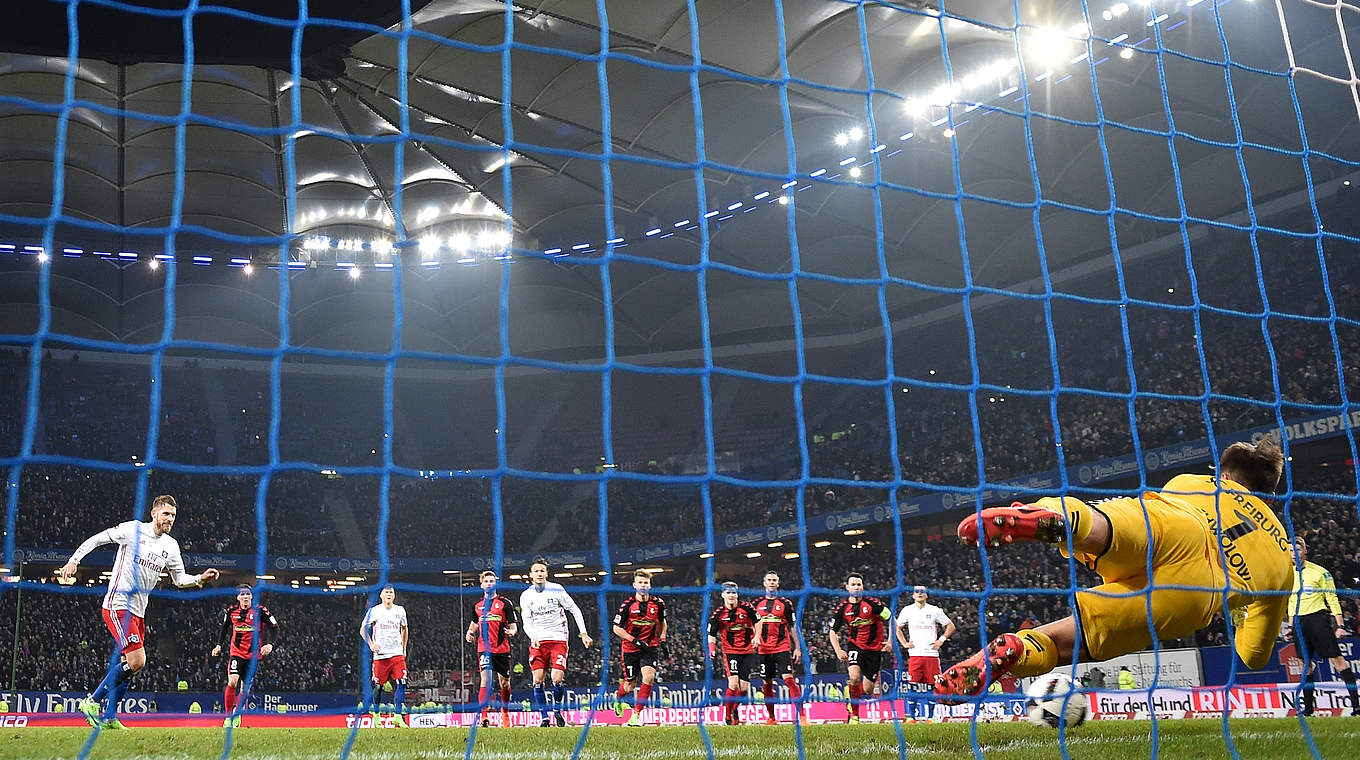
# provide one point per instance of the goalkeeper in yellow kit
(1207, 535)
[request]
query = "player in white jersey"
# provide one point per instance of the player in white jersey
(145, 550)
(543, 608)
(916, 632)
(385, 631)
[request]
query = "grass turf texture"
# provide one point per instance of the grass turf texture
(1274, 739)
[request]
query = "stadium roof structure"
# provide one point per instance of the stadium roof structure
(936, 148)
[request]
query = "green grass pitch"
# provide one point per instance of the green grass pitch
(1273, 739)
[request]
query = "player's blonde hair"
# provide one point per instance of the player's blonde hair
(164, 500)
(640, 573)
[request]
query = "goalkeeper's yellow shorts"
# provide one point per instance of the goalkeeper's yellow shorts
(1116, 617)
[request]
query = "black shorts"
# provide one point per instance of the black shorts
(869, 661)
(634, 662)
(776, 665)
(499, 662)
(740, 665)
(236, 666)
(1315, 631)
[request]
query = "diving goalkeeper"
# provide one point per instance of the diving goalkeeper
(1184, 577)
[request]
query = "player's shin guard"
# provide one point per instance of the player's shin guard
(768, 690)
(399, 696)
(229, 699)
(1040, 655)
(855, 692)
(729, 704)
(115, 674)
(540, 698)
(644, 691)
(505, 699)
(559, 697)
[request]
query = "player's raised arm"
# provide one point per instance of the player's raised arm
(117, 534)
(175, 567)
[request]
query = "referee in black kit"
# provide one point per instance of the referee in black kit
(1314, 593)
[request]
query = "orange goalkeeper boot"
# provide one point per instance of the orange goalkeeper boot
(972, 676)
(1018, 522)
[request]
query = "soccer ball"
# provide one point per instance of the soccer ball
(1054, 700)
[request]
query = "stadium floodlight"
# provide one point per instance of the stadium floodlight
(752, 555)
(791, 555)
(561, 575)
(705, 555)
(774, 544)
(821, 544)
(573, 566)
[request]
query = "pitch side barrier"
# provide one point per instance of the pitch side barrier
(1253, 701)
(1313, 428)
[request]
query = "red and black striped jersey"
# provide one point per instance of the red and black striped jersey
(734, 628)
(777, 633)
(492, 621)
(238, 629)
(862, 623)
(642, 620)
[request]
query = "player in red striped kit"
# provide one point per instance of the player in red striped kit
(861, 625)
(641, 623)
(239, 625)
(496, 623)
(732, 627)
(777, 645)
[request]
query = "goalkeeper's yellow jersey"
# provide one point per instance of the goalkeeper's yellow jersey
(1255, 555)
(1314, 590)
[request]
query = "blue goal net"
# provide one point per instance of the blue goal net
(404, 292)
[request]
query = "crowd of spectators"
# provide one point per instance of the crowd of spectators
(1032, 387)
